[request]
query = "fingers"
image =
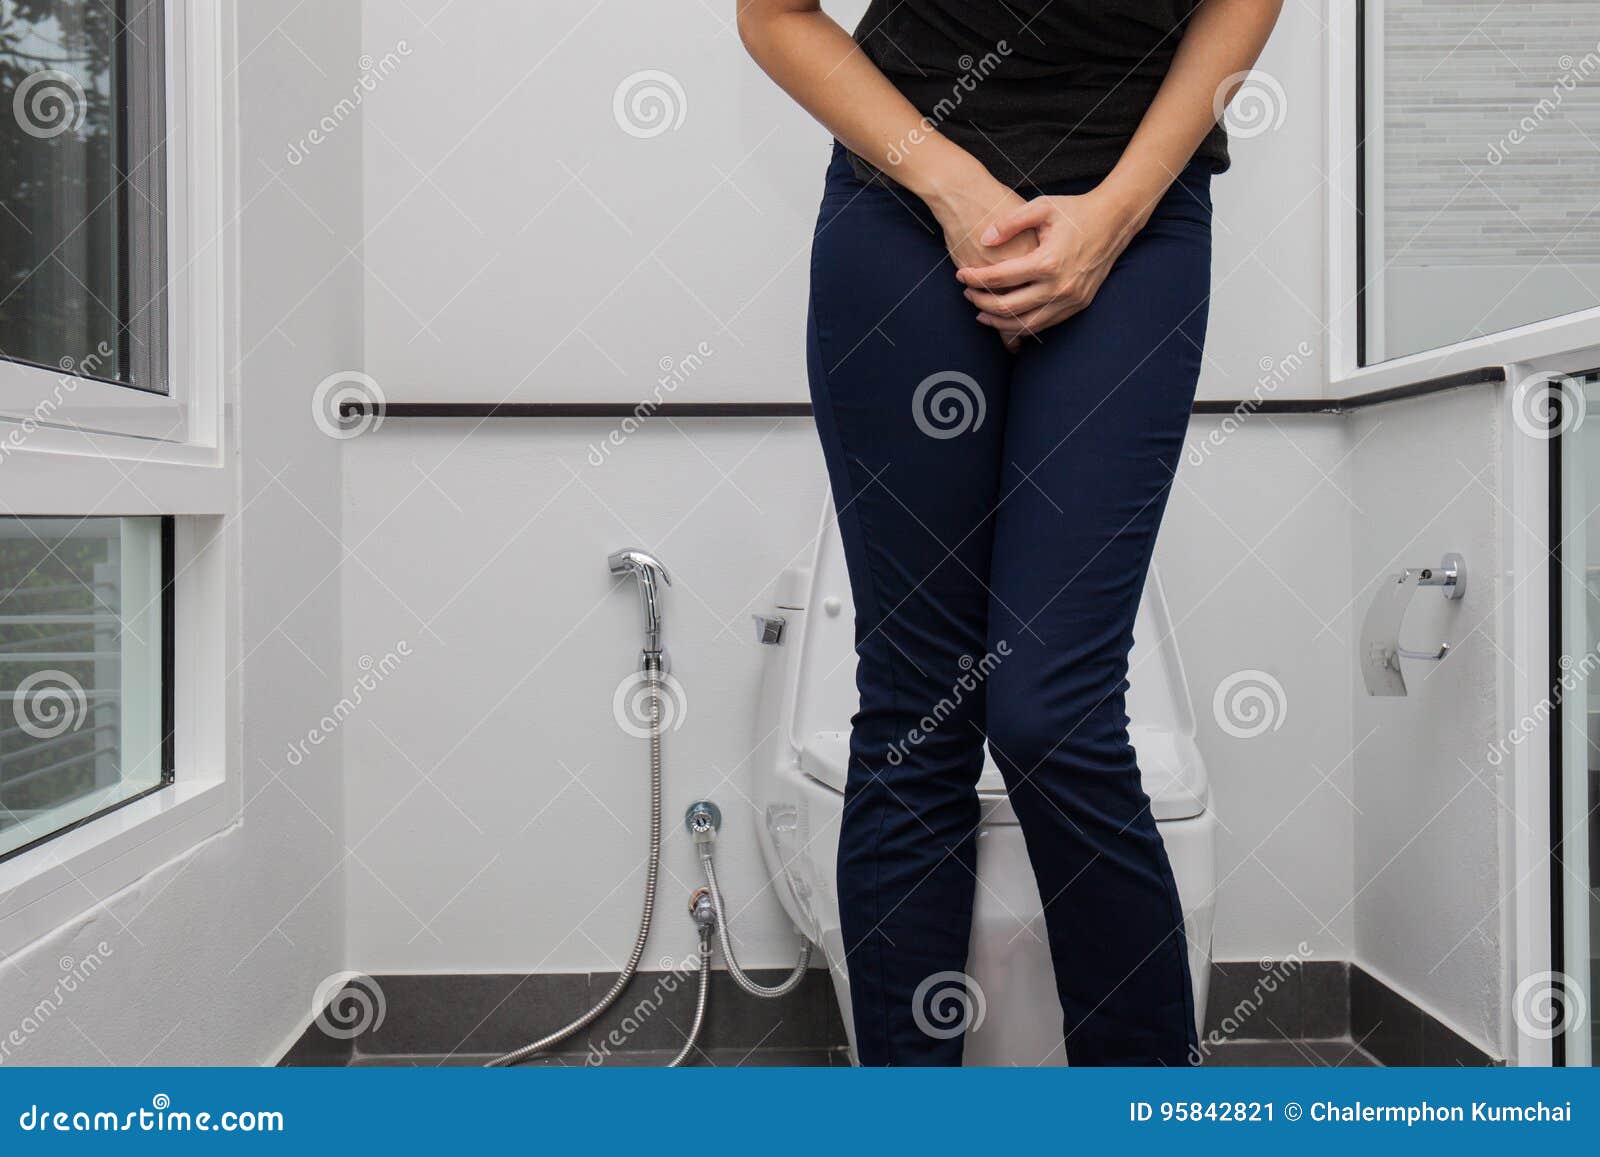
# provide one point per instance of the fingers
(1029, 324)
(1009, 328)
(1004, 274)
(1008, 225)
(1013, 304)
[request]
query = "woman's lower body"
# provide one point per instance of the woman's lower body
(998, 514)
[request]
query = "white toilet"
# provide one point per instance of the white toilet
(808, 695)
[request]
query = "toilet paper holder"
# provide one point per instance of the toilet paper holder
(1381, 651)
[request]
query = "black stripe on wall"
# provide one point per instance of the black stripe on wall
(1487, 375)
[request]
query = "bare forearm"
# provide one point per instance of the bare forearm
(1224, 39)
(817, 63)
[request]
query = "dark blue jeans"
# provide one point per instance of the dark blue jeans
(998, 515)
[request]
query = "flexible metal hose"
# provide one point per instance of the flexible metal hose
(699, 1001)
(789, 983)
(652, 668)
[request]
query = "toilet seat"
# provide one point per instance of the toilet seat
(823, 694)
(1174, 775)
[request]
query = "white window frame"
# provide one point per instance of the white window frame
(1525, 679)
(119, 451)
(184, 420)
(1535, 341)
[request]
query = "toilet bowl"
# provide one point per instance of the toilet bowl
(802, 733)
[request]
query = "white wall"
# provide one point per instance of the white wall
(1257, 578)
(1432, 807)
(213, 959)
(522, 245)
(497, 807)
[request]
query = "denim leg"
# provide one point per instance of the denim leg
(1098, 413)
(914, 473)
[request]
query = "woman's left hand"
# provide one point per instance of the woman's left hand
(1080, 238)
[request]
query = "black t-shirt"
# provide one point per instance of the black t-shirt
(1040, 91)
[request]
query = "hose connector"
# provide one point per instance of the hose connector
(704, 820)
(703, 910)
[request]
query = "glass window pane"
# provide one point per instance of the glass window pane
(81, 661)
(82, 188)
(1481, 174)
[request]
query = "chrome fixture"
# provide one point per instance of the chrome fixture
(645, 567)
(1381, 651)
(769, 629)
(703, 819)
(701, 908)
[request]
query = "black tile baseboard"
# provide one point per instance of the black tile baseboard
(1278, 1000)
(485, 1015)
(1259, 1012)
(1316, 1000)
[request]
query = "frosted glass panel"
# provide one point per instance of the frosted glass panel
(1482, 170)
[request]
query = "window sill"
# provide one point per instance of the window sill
(1543, 344)
(49, 886)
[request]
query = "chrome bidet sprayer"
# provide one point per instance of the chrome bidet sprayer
(706, 906)
(645, 567)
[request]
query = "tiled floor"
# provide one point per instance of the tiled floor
(1234, 1054)
(1313, 1054)
(715, 1058)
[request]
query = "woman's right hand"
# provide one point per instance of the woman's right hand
(965, 208)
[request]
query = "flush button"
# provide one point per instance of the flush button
(833, 606)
